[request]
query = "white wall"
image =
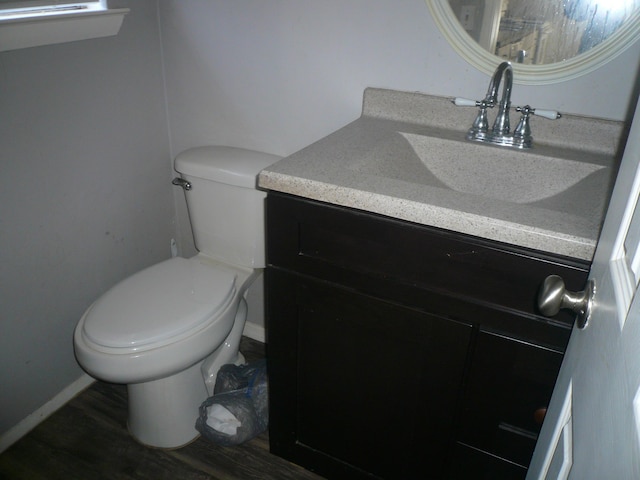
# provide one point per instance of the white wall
(85, 197)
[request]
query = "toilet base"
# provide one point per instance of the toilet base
(162, 413)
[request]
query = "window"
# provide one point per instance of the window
(32, 8)
(31, 23)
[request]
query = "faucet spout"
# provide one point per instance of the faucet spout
(501, 125)
(494, 85)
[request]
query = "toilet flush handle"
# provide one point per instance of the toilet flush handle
(180, 182)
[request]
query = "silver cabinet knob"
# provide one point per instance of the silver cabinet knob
(553, 296)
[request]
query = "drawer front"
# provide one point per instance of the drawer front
(352, 247)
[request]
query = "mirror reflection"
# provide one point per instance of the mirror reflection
(541, 32)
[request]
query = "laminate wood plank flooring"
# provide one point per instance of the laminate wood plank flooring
(88, 439)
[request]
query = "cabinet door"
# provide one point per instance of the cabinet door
(357, 381)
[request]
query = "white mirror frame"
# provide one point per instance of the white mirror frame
(486, 62)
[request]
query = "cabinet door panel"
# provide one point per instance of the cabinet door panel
(377, 384)
(469, 463)
(509, 382)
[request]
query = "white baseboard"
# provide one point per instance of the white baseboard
(254, 331)
(14, 434)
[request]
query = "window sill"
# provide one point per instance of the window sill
(16, 33)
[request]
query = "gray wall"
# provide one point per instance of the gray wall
(85, 198)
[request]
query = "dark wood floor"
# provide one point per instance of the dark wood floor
(88, 439)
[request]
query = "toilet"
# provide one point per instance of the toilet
(165, 331)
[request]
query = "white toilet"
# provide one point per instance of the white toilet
(166, 330)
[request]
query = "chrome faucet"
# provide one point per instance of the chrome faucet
(500, 133)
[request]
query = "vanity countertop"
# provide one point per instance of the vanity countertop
(332, 170)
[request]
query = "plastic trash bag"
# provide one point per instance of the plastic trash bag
(238, 410)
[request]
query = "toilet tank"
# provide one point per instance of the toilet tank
(225, 208)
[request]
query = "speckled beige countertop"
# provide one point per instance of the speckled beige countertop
(365, 165)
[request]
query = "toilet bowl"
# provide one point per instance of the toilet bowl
(165, 331)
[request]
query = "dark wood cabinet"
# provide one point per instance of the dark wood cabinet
(397, 350)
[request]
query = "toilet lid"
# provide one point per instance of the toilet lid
(159, 303)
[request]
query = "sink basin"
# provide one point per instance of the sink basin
(472, 168)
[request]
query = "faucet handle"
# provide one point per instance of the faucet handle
(550, 114)
(465, 102)
(522, 134)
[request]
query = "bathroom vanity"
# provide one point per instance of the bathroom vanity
(403, 335)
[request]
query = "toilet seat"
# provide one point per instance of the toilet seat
(159, 305)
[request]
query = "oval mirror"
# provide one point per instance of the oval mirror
(547, 41)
